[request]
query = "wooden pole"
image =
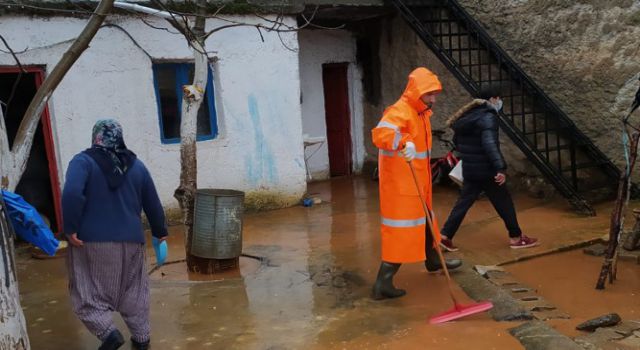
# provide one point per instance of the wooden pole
(617, 216)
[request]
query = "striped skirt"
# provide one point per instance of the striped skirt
(110, 276)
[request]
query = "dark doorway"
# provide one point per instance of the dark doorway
(338, 118)
(39, 184)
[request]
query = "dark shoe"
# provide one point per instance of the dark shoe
(113, 341)
(524, 242)
(435, 266)
(383, 288)
(447, 244)
(140, 346)
(433, 261)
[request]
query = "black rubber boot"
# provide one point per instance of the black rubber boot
(113, 341)
(433, 261)
(383, 288)
(140, 346)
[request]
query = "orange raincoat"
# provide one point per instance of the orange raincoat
(403, 219)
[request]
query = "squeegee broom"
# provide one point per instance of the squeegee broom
(458, 310)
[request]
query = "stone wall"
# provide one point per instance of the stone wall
(584, 54)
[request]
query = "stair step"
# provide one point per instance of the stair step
(466, 49)
(542, 131)
(557, 148)
(440, 21)
(423, 3)
(457, 33)
(584, 166)
(474, 65)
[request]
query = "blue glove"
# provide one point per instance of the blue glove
(161, 250)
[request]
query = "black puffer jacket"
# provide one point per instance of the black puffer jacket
(476, 139)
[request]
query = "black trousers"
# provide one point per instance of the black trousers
(499, 197)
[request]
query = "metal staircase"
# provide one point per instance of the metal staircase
(544, 133)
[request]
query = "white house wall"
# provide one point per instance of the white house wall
(318, 47)
(259, 146)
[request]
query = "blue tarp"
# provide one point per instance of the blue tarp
(28, 224)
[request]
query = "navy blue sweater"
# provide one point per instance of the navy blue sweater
(99, 214)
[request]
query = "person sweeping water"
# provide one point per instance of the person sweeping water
(408, 225)
(105, 191)
(404, 135)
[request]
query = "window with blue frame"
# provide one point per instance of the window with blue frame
(169, 79)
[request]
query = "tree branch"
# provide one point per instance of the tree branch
(42, 8)
(20, 72)
(275, 25)
(115, 26)
(24, 137)
(147, 23)
(143, 9)
(6, 162)
(182, 28)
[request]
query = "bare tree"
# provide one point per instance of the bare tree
(193, 94)
(13, 162)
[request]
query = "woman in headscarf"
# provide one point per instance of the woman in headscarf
(105, 191)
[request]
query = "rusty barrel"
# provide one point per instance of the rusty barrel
(217, 228)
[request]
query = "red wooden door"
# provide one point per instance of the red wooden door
(21, 101)
(338, 118)
(45, 120)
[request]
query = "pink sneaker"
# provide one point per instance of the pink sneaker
(524, 242)
(447, 244)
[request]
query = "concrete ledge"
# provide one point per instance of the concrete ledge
(533, 335)
(537, 335)
(505, 307)
(563, 248)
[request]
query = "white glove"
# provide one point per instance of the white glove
(409, 151)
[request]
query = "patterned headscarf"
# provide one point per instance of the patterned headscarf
(108, 133)
(110, 152)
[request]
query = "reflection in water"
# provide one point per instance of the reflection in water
(280, 296)
(177, 271)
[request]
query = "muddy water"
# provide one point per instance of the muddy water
(176, 271)
(567, 280)
(311, 290)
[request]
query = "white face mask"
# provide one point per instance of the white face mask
(497, 106)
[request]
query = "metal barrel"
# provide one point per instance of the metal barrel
(217, 228)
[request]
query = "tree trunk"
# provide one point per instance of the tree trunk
(6, 157)
(192, 98)
(13, 328)
(617, 217)
(13, 164)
